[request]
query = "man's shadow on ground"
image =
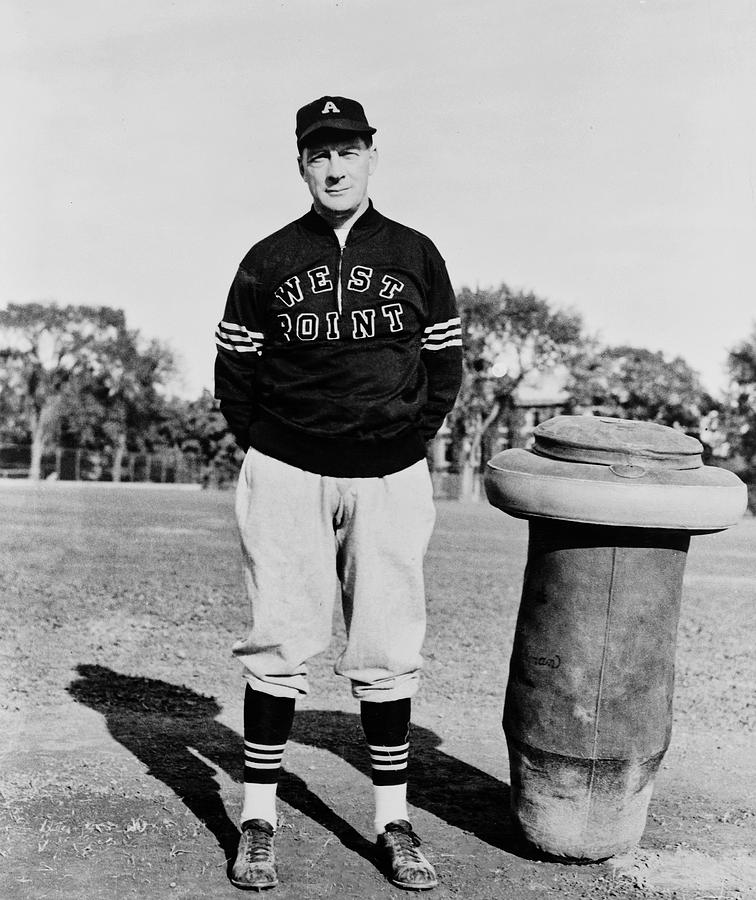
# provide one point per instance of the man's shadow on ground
(162, 723)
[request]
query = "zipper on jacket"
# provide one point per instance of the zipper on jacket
(338, 279)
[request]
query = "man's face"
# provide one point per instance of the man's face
(336, 171)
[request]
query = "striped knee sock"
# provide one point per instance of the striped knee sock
(267, 723)
(386, 727)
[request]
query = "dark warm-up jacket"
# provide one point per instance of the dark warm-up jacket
(340, 362)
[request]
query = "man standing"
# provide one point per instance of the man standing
(339, 355)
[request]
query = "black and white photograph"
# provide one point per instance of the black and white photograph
(378, 449)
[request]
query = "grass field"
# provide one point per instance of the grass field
(121, 716)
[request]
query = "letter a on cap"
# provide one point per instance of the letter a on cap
(330, 107)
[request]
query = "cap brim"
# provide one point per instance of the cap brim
(348, 125)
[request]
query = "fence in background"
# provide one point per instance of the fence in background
(75, 464)
(166, 467)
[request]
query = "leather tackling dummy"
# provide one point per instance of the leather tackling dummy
(612, 505)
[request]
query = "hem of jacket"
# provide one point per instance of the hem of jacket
(339, 457)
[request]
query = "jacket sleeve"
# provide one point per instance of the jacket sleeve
(240, 341)
(441, 351)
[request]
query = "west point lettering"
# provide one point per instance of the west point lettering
(309, 326)
(358, 324)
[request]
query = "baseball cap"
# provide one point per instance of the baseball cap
(339, 113)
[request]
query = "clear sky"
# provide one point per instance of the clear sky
(601, 153)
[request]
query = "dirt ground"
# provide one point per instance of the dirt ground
(121, 717)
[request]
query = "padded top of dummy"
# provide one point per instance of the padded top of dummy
(606, 441)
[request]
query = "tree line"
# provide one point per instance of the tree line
(79, 377)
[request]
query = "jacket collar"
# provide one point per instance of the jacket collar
(365, 225)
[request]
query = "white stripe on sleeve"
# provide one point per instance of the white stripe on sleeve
(239, 338)
(442, 335)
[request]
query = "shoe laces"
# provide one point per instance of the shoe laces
(406, 843)
(259, 844)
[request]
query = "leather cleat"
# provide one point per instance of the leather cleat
(406, 866)
(255, 865)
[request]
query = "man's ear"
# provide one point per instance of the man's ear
(300, 163)
(373, 164)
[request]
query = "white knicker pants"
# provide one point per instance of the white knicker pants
(307, 538)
